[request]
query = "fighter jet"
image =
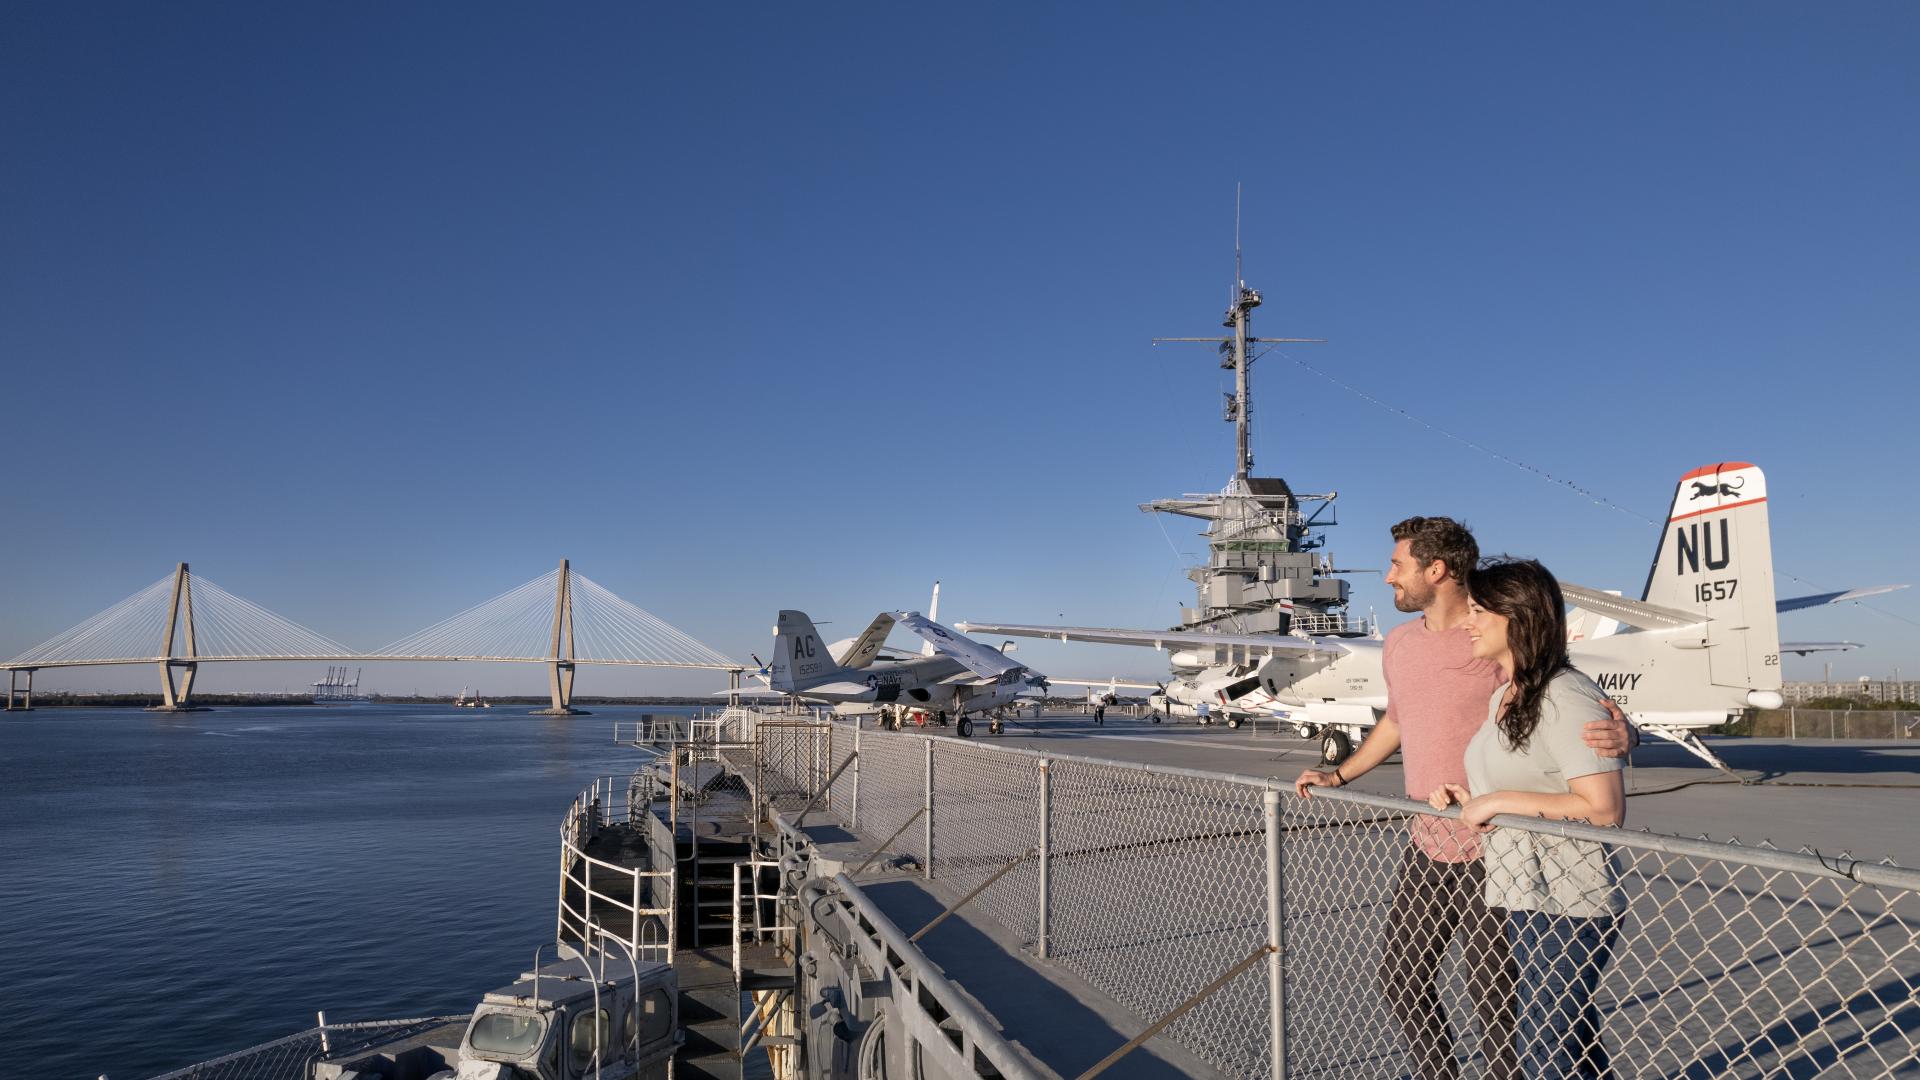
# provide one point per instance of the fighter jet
(957, 679)
(1699, 648)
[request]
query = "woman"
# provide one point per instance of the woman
(1559, 894)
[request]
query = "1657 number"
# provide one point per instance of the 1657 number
(1715, 590)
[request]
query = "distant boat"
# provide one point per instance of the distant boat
(475, 702)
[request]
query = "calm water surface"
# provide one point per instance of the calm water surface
(175, 887)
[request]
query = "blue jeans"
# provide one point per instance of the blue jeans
(1557, 963)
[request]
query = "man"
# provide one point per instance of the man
(1437, 695)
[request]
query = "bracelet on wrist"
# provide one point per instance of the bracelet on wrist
(1342, 777)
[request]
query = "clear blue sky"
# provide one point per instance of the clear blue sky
(373, 311)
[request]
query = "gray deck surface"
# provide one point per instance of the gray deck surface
(1854, 796)
(1059, 1020)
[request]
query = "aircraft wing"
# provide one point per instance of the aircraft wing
(1632, 612)
(1802, 648)
(1167, 639)
(850, 690)
(1121, 684)
(1795, 603)
(975, 657)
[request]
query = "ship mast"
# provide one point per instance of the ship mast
(1233, 354)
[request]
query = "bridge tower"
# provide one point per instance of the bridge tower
(180, 605)
(560, 656)
(14, 688)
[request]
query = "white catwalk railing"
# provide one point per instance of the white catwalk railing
(225, 626)
(209, 623)
(518, 625)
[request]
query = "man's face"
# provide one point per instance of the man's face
(1413, 585)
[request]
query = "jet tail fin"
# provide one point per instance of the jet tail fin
(933, 615)
(863, 649)
(1715, 562)
(801, 660)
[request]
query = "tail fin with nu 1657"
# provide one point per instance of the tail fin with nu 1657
(1716, 559)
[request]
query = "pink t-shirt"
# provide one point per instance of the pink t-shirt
(1438, 693)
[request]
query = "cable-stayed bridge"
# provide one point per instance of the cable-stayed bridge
(561, 619)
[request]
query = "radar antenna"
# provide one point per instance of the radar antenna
(1233, 353)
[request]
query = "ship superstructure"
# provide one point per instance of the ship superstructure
(1265, 570)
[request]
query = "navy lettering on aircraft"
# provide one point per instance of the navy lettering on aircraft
(1703, 488)
(803, 646)
(1617, 680)
(1690, 543)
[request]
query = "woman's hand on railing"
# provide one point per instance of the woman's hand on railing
(1448, 795)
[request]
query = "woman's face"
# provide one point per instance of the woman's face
(1488, 629)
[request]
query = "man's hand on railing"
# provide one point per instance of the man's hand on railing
(1313, 778)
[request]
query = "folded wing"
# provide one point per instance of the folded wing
(975, 657)
(1168, 639)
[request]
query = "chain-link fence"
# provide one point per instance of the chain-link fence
(1401, 947)
(1797, 723)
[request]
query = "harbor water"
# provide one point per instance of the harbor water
(173, 887)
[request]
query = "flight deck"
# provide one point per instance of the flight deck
(1857, 796)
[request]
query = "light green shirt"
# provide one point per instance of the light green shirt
(1528, 871)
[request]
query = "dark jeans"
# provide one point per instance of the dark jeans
(1435, 903)
(1557, 961)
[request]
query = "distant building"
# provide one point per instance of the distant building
(1864, 688)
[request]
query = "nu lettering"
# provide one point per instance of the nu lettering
(1690, 544)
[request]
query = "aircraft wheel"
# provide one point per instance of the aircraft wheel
(965, 728)
(1334, 747)
(996, 728)
(1233, 722)
(1156, 718)
(1305, 731)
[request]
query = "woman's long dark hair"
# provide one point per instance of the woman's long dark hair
(1527, 594)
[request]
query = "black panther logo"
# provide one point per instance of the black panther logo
(1702, 488)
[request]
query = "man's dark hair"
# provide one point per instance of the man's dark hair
(1431, 538)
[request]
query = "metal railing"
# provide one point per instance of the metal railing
(601, 899)
(1154, 883)
(1329, 623)
(291, 1057)
(734, 725)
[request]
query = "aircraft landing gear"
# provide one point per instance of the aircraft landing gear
(1334, 747)
(996, 726)
(1233, 722)
(964, 728)
(1156, 718)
